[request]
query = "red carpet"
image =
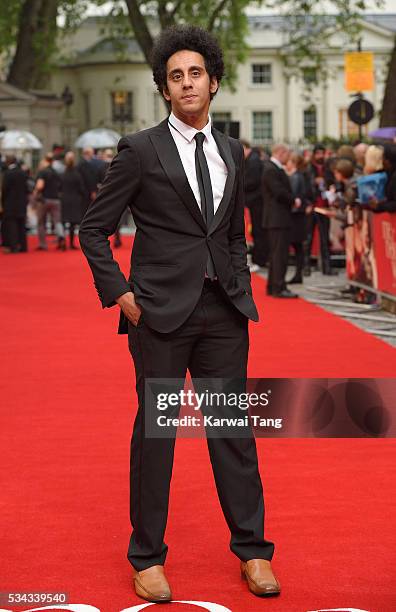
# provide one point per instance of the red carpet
(67, 412)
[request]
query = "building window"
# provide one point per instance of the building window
(262, 126)
(310, 123)
(261, 74)
(221, 116)
(310, 76)
(223, 122)
(121, 106)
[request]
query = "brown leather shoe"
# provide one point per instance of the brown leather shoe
(151, 584)
(259, 576)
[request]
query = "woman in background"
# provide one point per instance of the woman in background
(373, 159)
(73, 194)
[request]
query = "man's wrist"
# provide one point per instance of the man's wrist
(121, 297)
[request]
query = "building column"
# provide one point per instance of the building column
(323, 131)
(286, 115)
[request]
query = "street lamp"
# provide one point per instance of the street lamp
(120, 100)
(67, 97)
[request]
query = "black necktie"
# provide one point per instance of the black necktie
(206, 193)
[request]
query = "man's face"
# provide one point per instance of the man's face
(319, 156)
(283, 156)
(188, 84)
(338, 176)
(246, 151)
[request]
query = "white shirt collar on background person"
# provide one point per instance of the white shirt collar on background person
(183, 136)
(277, 163)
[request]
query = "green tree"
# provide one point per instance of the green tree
(307, 30)
(224, 18)
(29, 32)
(35, 39)
(29, 29)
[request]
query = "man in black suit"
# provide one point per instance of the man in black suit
(188, 299)
(14, 199)
(254, 201)
(277, 219)
(89, 174)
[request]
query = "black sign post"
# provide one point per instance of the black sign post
(361, 111)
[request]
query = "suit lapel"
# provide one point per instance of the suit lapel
(280, 171)
(225, 152)
(169, 158)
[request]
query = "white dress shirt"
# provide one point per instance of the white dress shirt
(183, 135)
(277, 163)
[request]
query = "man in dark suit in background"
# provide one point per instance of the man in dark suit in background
(89, 174)
(188, 299)
(321, 178)
(14, 197)
(254, 202)
(277, 219)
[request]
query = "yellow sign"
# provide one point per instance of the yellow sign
(359, 71)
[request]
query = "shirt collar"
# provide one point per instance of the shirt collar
(187, 131)
(277, 162)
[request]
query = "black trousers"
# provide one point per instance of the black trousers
(278, 259)
(299, 253)
(15, 232)
(260, 240)
(323, 224)
(213, 342)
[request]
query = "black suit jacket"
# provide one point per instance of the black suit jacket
(278, 197)
(89, 176)
(171, 244)
(14, 192)
(253, 177)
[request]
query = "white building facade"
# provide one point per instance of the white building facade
(116, 90)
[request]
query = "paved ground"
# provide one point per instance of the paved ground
(326, 291)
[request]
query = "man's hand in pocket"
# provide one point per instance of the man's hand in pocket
(131, 310)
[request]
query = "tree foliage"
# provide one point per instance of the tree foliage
(29, 32)
(9, 20)
(36, 34)
(226, 19)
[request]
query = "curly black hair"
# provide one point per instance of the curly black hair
(186, 37)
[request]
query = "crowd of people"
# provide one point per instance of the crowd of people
(56, 197)
(289, 193)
